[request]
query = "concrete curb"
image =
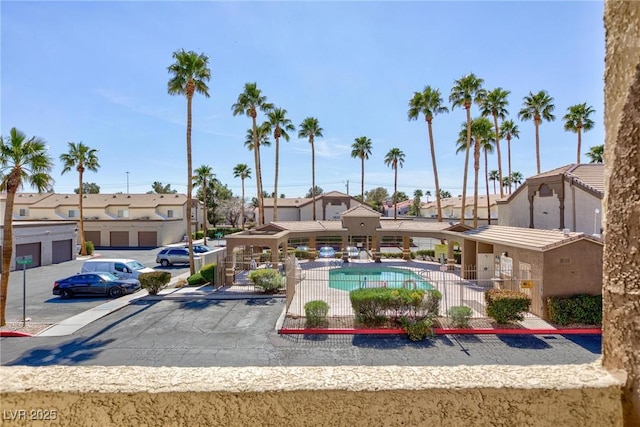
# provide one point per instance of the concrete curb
(441, 331)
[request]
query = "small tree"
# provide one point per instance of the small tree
(154, 281)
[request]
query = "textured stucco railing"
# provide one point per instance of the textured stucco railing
(567, 395)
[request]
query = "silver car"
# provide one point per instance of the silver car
(170, 256)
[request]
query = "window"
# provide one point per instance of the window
(123, 213)
(24, 212)
(72, 213)
(170, 213)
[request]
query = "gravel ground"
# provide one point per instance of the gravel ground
(30, 328)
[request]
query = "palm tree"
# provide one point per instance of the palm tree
(537, 107)
(576, 120)
(248, 104)
(429, 103)
(21, 160)
(80, 157)
(309, 128)
(204, 175)
(481, 134)
(494, 176)
(262, 134)
(495, 105)
(361, 149)
(394, 158)
(516, 178)
(428, 194)
(242, 171)
(595, 154)
(189, 73)
(466, 91)
(509, 130)
(278, 122)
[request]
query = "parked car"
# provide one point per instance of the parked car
(95, 284)
(119, 267)
(200, 249)
(170, 256)
(327, 252)
(302, 248)
(353, 251)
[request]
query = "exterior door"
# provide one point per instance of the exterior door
(93, 237)
(147, 239)
(32, 249)
(485, 266)
(119, 238)
(61, 251)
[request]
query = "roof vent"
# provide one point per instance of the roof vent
(114, 196)
(129, 196)
(177, 196)
(161, 196)
(30, 195)
(565, 231)
(66, 197)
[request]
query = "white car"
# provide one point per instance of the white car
(353, 252)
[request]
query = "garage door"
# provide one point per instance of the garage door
(32, 249)
(93, 237)
(119, 238)
(61, 251)
(147, 239)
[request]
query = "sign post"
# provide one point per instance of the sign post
(24, 260)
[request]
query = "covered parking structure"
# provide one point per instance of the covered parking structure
(359, 226)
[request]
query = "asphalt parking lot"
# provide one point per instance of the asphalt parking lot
(200, 333)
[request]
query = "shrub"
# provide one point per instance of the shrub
(154, 281)
(460, 315)
(268, 279)
(424, 253)
(369, 305)
(195, 280)
(506, 306)
(431, 302)
(316, 313)
(88, 245)
(208, 272)
(372, 306)
(417, 330)
(198, 234)
(301, 254)
(586, 309)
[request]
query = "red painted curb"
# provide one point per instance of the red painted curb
(443, 331)
(14, 334)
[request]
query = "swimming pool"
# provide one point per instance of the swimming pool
(350, 278)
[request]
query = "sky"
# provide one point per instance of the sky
(96, 72)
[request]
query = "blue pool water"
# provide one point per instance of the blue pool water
(350, 278)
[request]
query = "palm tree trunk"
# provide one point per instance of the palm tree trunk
(537, 125)
(466, 164)
(486, 177)
(579, 144)
(509, 158)
(256, 156)
(275, 185)
(495, 122)
(204, 209)
(313, 178)
(395, 192)
(242, 210)
(494, 187)
(83, 249)
(7, 250)
(362, 179)
(189, 184)
(435, 170)
(476, 169)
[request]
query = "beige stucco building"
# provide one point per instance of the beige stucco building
(113, 220)
(328, 207)
(567, 197)
(452, 208)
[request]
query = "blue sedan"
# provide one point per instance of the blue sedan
(95, 284)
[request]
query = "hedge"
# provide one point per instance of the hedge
(585, 309)
(373, 306)
(208, 272)
(154, 281)
(506, 306)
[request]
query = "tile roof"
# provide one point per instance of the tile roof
(456, 202)
(54, 200)
(530, 238)
(590, 174)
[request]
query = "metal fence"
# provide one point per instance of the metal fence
(332, 280)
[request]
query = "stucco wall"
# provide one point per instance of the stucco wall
(573, 269)
(516, 213)
(537, 396)
(621, 293)
(45, 234)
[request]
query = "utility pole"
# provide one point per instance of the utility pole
(127, 182)
(347, 187)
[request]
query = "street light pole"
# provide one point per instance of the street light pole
(127, 182)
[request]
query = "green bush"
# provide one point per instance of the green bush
(208, 272)
(417, 330)
(196, 280)
(154, 281)
(268, 279)
(585, 309)
(198, 234)
(424, 253)
(316, 313)
(301, 254)
(506, 306)
(373, 306)
(88, 245)
(369, 305)
(460, 315)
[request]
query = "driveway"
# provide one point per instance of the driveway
(43, 307)
(200, 332)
